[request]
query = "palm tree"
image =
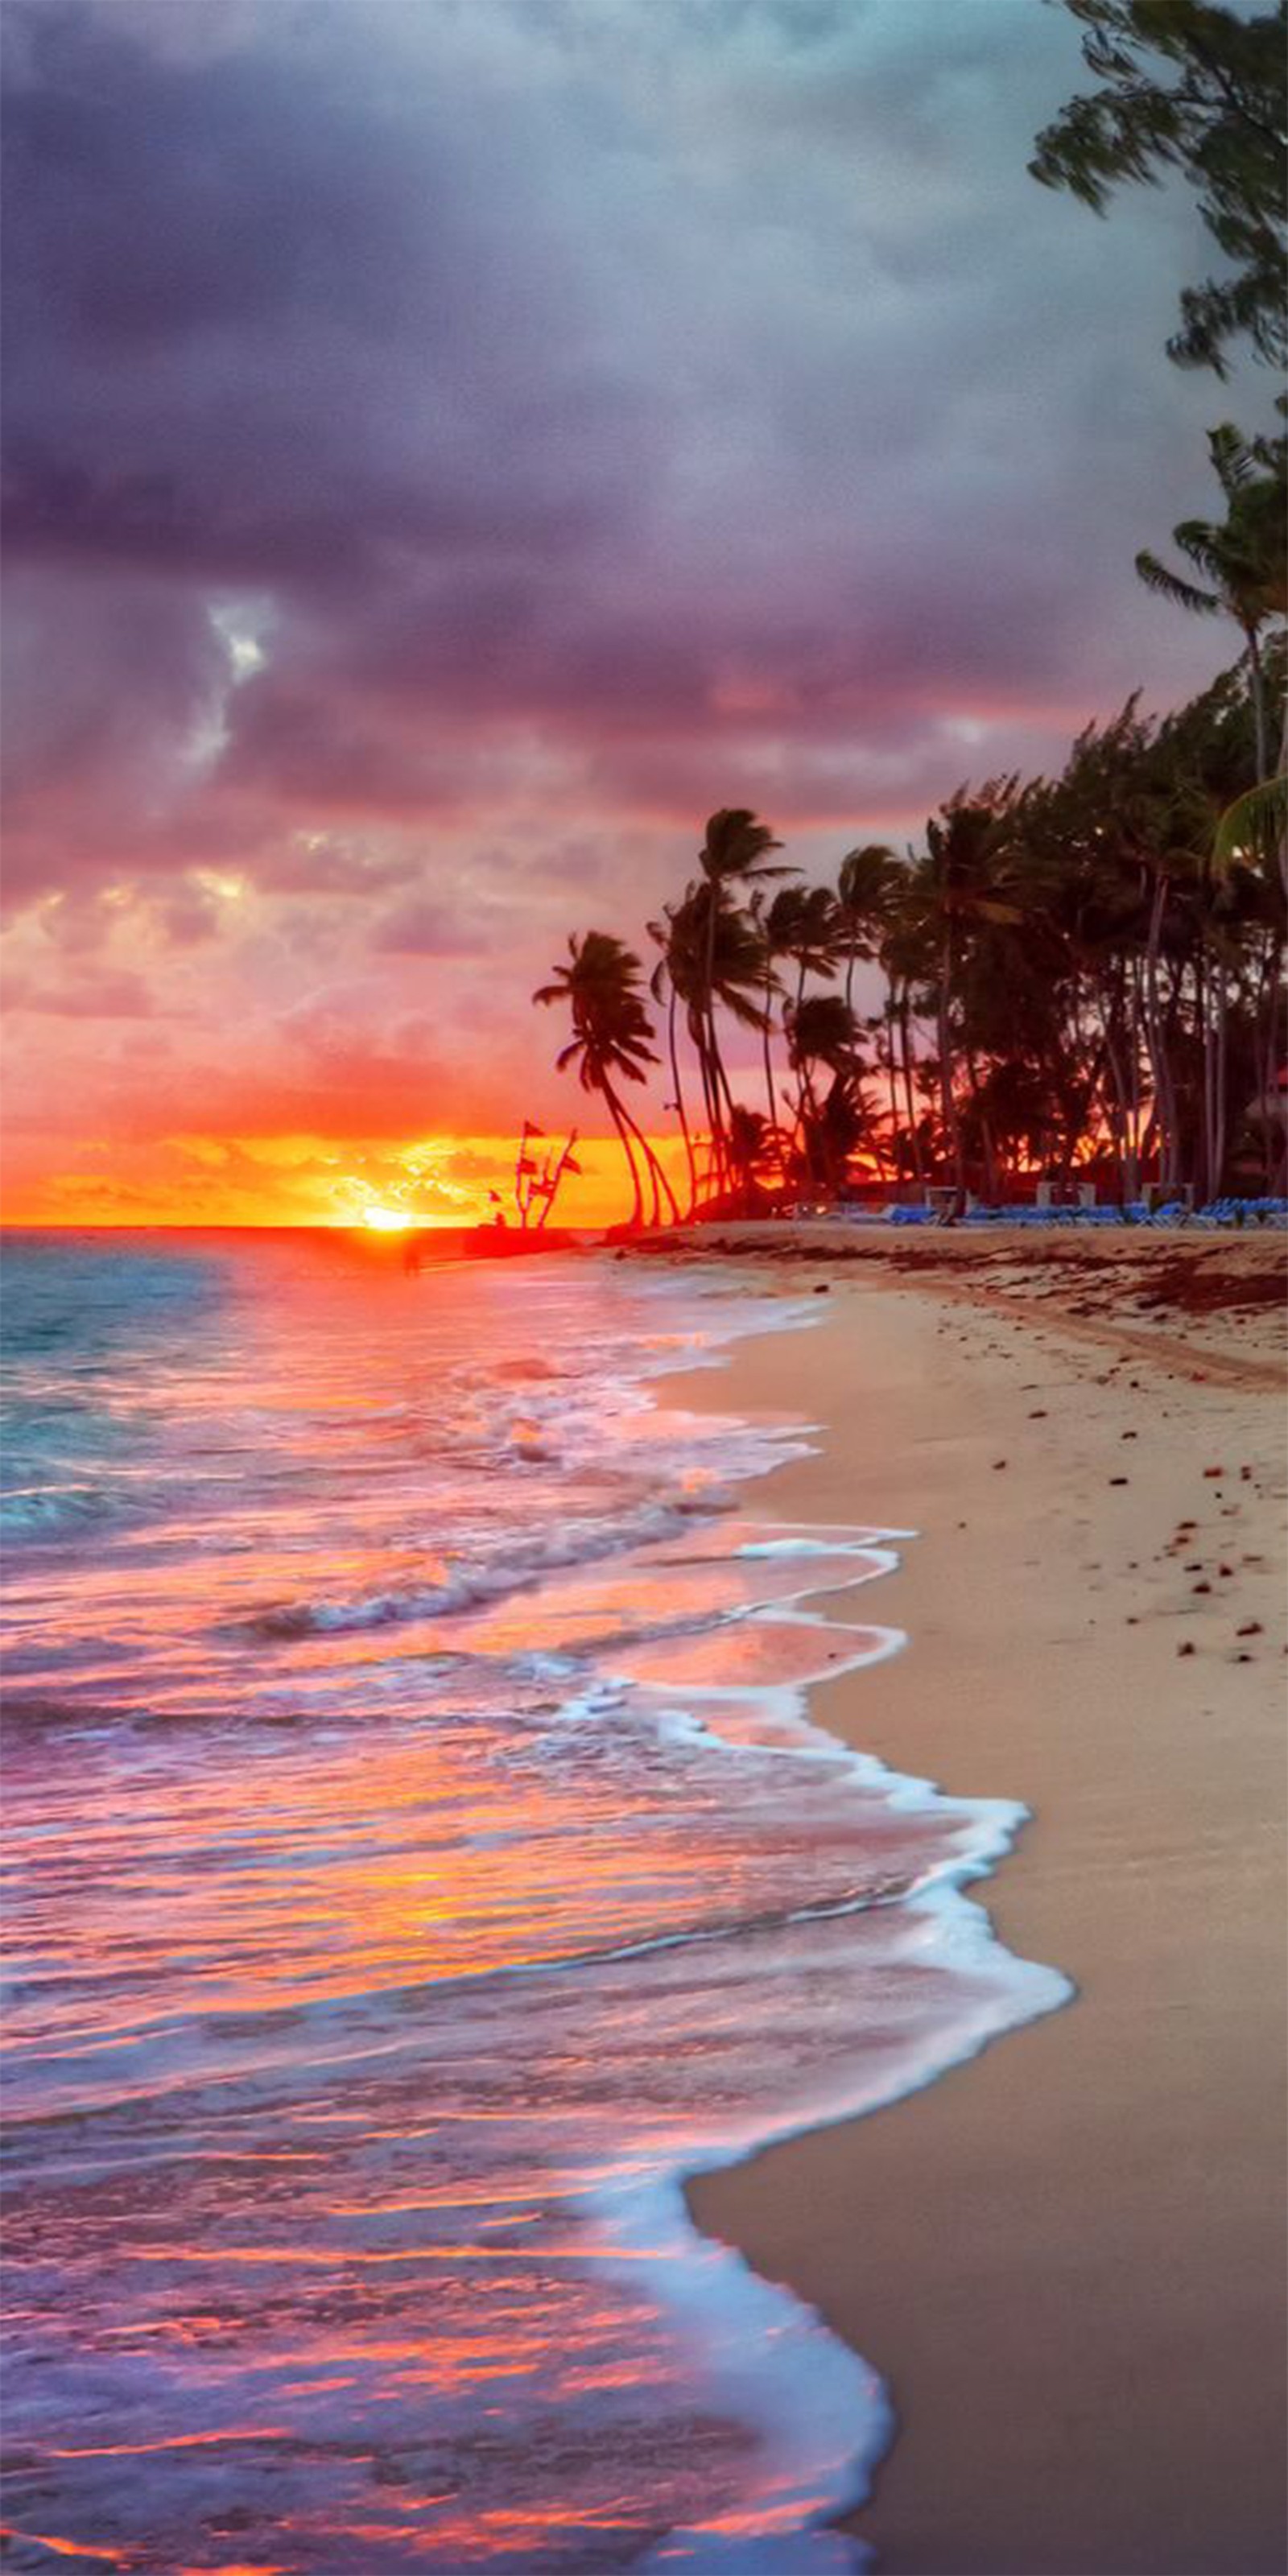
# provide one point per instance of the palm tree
(906, 954)
(963, 878)
(761, 912)
(611, 1032)
(714, 956)
(1255, 826)
(1102, 956)
(867, 884)
(821, 1030)
(672, 975)
(1241, 559)
(737, 849)
(800, 923)
(751, 1152)
(803, 924)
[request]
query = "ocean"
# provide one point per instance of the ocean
(419, 1858)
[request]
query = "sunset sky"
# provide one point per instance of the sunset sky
(454, 444)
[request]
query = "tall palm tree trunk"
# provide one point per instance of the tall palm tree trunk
(910, 1098)
(718, 1144)
(891, 1069)
(803, 1084)
(620, 1122)
(1139, 1125)
(1267, 1022)
(726, 1093)
(1257, 676)
(767, 1053)
(947, 1096)
(674, 1052)
(1156, 1040)
(1221, 1114)
(1205, 1023)
(723, 1100)
(706, 1076)
(656, 1173)
(1120, 1098)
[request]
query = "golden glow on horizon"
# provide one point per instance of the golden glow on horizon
(387, 1220)
(370, 1185)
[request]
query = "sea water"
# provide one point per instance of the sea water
(420, 1858)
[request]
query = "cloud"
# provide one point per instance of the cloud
(425, 928)
(449, 452)
(108, 995)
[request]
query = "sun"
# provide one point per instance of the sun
(386, 1220)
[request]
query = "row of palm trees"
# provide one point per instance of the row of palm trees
(1065, 976)
(1079, 973)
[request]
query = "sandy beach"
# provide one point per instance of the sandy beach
(1065, 2258)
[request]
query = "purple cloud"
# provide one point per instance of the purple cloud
(448, 452)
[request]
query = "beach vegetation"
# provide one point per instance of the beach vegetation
(1069, 979)
(1242, 560)
(1076, 978)
(1197, 89)
(610, 1043)
(538, 1176)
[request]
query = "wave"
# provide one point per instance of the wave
(527, 1562)
(43, 1511)
(466, 1956)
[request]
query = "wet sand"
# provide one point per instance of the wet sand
(1066, 2258)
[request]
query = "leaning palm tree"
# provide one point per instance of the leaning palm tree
(1240, 559)
(611, 1032)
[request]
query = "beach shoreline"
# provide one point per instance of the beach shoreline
(1063, 2257)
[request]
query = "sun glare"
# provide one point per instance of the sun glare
(387, 1220)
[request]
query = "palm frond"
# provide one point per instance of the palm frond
(737, 844)
(1254, 827)
(1235, 461)
(1170, 585)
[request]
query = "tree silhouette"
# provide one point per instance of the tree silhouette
(1242, 559)
(611, 1033)
(1188, 85)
